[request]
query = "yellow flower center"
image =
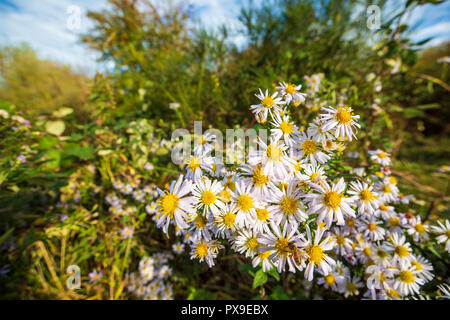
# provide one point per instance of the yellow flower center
(366, 195)
(351, 287)
(201, 250)
(387, 189)
(367, 251)
(194, 163)
(208, 197)
(262, 214)
(289, 205)
(350, 222)
(309, 147)
(381, 253)
(229, 219)
(406, 276)
(200, 222)
(392, 293)
(274, 152)
(290, 88)
(315, 254)
(298, 165)
(419, 228)
(267, 102)
(314, 176)
(282, 246)
(383, 207)
(245, 202)
(344, 115)
(168, 203)
(340, 240)
(259, 178)
(393, 180)
(230, 184)
(372, 226)
(401, 251)
(394, 222)
(286, 127)
(330, 279)
(417, 265)
(252, 243)
(264, 255)
(333, 199)
(382, 155)
(329, 144)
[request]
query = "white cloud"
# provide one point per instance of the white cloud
(43, 24)
(440, 29)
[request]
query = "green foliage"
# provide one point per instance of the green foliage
(39, 86)
(116, 123)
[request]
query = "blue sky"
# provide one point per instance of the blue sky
(43, 24)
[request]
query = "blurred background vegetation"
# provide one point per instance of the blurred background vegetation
(159, 59)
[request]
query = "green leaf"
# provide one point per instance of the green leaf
(64, 111)
(412, 113)
(55, 127)
(260, 279)
(274, 273)
(5, 236)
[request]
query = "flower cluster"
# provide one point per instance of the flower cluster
(288, 207)
(151, 282)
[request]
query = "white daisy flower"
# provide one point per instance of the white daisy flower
(283, 245)
(330, 202)
(443, 232)
(284, 129)
(342, 241)
(206, 195)
(371, 229)
(341, 120)
(310, 149)
(332, 281)
(263, 216)
(246, 204)
(423, 267)
(398, 246)
(204, 250)
(262, 257)
(387, 191)
(380, 157)
(225, 221)
(418, 230)
(365, 198)
(273, 158)
(317, 133)
(286, 204)
(316, 174)
(261, 183)
(247, 242)
(290, 93)
(269, 104)
(407, 281)
(381, 256)
(178, 247)
(175, 205)
(379, 277)
(204, 143)
(197, 164)
(138, 195)
(315, 253)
